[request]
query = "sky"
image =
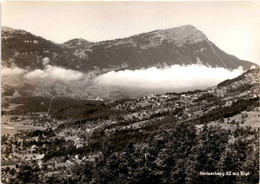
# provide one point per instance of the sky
(233, 26)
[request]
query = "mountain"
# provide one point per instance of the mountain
(180, 45)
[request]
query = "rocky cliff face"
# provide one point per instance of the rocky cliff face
(181, 45)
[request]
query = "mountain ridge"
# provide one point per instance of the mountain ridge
(181, 45)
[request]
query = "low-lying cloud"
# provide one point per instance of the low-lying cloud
(174, 78)
(133, 83)
(5, 72)
(52, 73)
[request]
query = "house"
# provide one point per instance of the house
(34, 147)
(228, 103)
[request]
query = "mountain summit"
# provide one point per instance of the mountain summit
(182, 35)
(182, 45)
(77, 42)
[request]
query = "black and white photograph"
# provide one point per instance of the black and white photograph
(130, 92)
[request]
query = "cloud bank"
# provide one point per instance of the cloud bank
(132, 83)
(5, 72)
(174, 78)
(52, 73)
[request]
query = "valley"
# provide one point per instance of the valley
(151, 137)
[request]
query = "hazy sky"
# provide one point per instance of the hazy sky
(232, 26)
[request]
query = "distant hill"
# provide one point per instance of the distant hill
(25, 50)
(77, 43)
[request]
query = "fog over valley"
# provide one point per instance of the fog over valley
(175, 78)
(133, 83)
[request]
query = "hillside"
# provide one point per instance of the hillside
(191, 137)
(25, 50)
